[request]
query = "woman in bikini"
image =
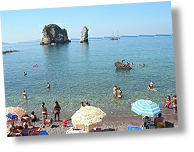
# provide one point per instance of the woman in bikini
(56, 110)
(44, 113)
(168, 102)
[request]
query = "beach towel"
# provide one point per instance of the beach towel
(11, 116)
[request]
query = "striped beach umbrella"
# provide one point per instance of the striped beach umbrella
(145, 108)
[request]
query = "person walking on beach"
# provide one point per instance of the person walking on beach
(24, 95)
(174, 103)
(44, 113)
(168, 102)
(115, 90)
(56, 110)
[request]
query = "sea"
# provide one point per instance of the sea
(86, 72)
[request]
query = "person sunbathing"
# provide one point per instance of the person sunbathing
(33, 117)
(26, 119)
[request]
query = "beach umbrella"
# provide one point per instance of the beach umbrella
(16, 111)
(145, 108)
(87, 118)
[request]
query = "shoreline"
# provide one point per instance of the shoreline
(112, 123)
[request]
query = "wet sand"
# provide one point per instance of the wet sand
(112, 123)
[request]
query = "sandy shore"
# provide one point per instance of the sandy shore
(112, 123)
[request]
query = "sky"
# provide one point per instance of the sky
(101, 20)
(31, 28)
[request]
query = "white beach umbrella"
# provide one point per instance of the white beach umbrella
(88, 117)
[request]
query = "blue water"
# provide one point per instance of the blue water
(86, 72)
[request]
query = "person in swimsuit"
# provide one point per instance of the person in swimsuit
(115, 90)
(174, 102)
(56, 110)
(168, 102)
(87, 104)
(82, 104)
(44, 113)
(33, 117)
(26, 119)
(24, 95)
(119, 93)
(151, 84)
(48, 85)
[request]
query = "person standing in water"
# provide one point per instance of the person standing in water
(174, 103)
(168, 102)
(115, 90)
(44, 113)
(119, 93)
(56, 110)
(48, 85)
(24, 95)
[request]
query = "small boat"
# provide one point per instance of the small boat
(115, 38)
(121, 65)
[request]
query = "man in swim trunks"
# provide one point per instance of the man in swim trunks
(24, 95)
(25, 73)
(174, 102)
(44, 113)
(115, 90)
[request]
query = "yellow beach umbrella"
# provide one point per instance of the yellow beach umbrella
(17, 111)
(88, 117)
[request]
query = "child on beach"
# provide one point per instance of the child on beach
(168, 102)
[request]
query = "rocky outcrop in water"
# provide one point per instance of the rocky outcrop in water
(52, 33)
(84, 35)
(4, 52)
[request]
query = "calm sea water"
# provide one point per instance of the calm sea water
(86, 72)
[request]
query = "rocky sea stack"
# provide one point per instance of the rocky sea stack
(52, 33)
(84, 35)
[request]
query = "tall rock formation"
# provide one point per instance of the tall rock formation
(52, 33)
(84, 35)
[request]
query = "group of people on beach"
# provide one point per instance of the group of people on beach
(173, 101)
(117, 92)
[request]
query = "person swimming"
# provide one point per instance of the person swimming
(25, 73)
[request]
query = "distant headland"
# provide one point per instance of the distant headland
(4, 52)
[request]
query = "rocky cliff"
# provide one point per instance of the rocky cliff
(84, 35)
(52, 33)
